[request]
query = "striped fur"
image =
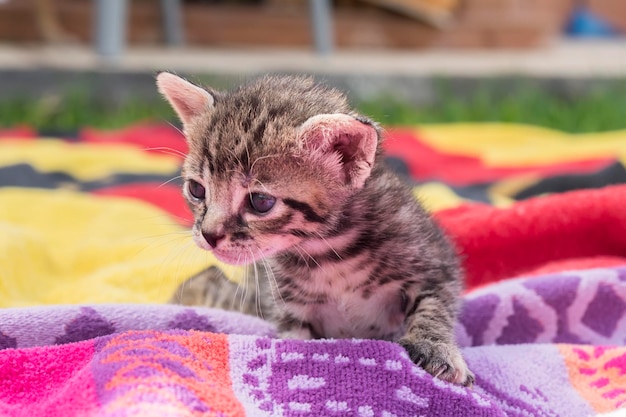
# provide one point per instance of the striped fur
(346, 251)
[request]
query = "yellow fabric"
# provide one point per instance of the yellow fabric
(501, 193)
(510, 145)
(83, 161)
(436, 196)
(66, 247)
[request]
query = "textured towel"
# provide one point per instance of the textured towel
(527, 353)
(99, 219)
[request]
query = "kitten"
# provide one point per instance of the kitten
(283, 173)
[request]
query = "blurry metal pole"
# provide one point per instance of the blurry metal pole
(171, 10)
(111, 18)
(110, 33)
(322, 25)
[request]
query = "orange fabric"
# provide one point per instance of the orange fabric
(598, 374)
(207, 356)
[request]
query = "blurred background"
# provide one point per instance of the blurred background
(65, 64)
(485, 103)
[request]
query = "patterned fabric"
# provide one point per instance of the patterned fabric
(98, 219)
(550, 345)
(581, 307)
(55, 325)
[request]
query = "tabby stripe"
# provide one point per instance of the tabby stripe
(207, 151)
(292, 261)
(208, 156)
(243, 157)
(363, 242)
(295, 294)
(303, 300)
(413, 308)
(273, 226)
(259, 131)
(240, 236)
(299, 233)
(342, 226)
(305, 209)
(278, 110)
(433, 314)
(240, 221)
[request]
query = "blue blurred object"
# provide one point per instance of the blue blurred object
(585, 24)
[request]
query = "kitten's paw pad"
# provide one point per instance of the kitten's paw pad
(443, 361)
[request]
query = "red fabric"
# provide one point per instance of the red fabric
(161, 139)
(561, 230)
(18, 132)
(575, 230)
(427, 163)
(424, 162)
(575, 264)
(167, 197)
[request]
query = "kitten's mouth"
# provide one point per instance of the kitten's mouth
(243, 256)
(237, 256)
(232, 258)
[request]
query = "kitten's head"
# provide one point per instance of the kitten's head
(270, 164)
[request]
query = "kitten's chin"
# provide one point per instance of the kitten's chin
(232, 258)
(240, 258)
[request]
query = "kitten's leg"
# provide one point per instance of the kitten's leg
(211, 288)
(429, 341)
(291, 328)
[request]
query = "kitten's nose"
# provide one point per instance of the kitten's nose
(213, 238)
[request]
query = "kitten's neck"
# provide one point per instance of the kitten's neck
(361, 226)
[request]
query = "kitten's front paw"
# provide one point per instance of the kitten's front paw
(441, 360)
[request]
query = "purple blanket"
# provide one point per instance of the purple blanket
(551, 345)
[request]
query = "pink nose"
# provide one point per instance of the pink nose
(212, 238)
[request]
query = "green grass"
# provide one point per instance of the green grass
(76, 109)
(601, 109)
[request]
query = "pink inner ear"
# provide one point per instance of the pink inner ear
(354, 141)
(187, 105)
(347, 148)
(188, 100)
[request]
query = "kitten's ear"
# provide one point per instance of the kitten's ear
(354, 141)
(187, 99)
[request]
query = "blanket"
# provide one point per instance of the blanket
(93, 240)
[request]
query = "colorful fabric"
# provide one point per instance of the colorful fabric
(543, 346)
(544, 232)
(94, 240)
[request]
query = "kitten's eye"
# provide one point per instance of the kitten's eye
(196, 190)
(262, 203)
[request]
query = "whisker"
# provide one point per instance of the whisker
(298, 247)
(241, 284)
(329, 245)
(247, 153)
(261, 158)
(182, 251)
(176, 128)
(166, 150)
(154, 244)
(260, 183)
(170, 180)
(257, 300)
(241, 167)
(272, 282)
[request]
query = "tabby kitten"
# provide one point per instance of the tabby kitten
(283, 173)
